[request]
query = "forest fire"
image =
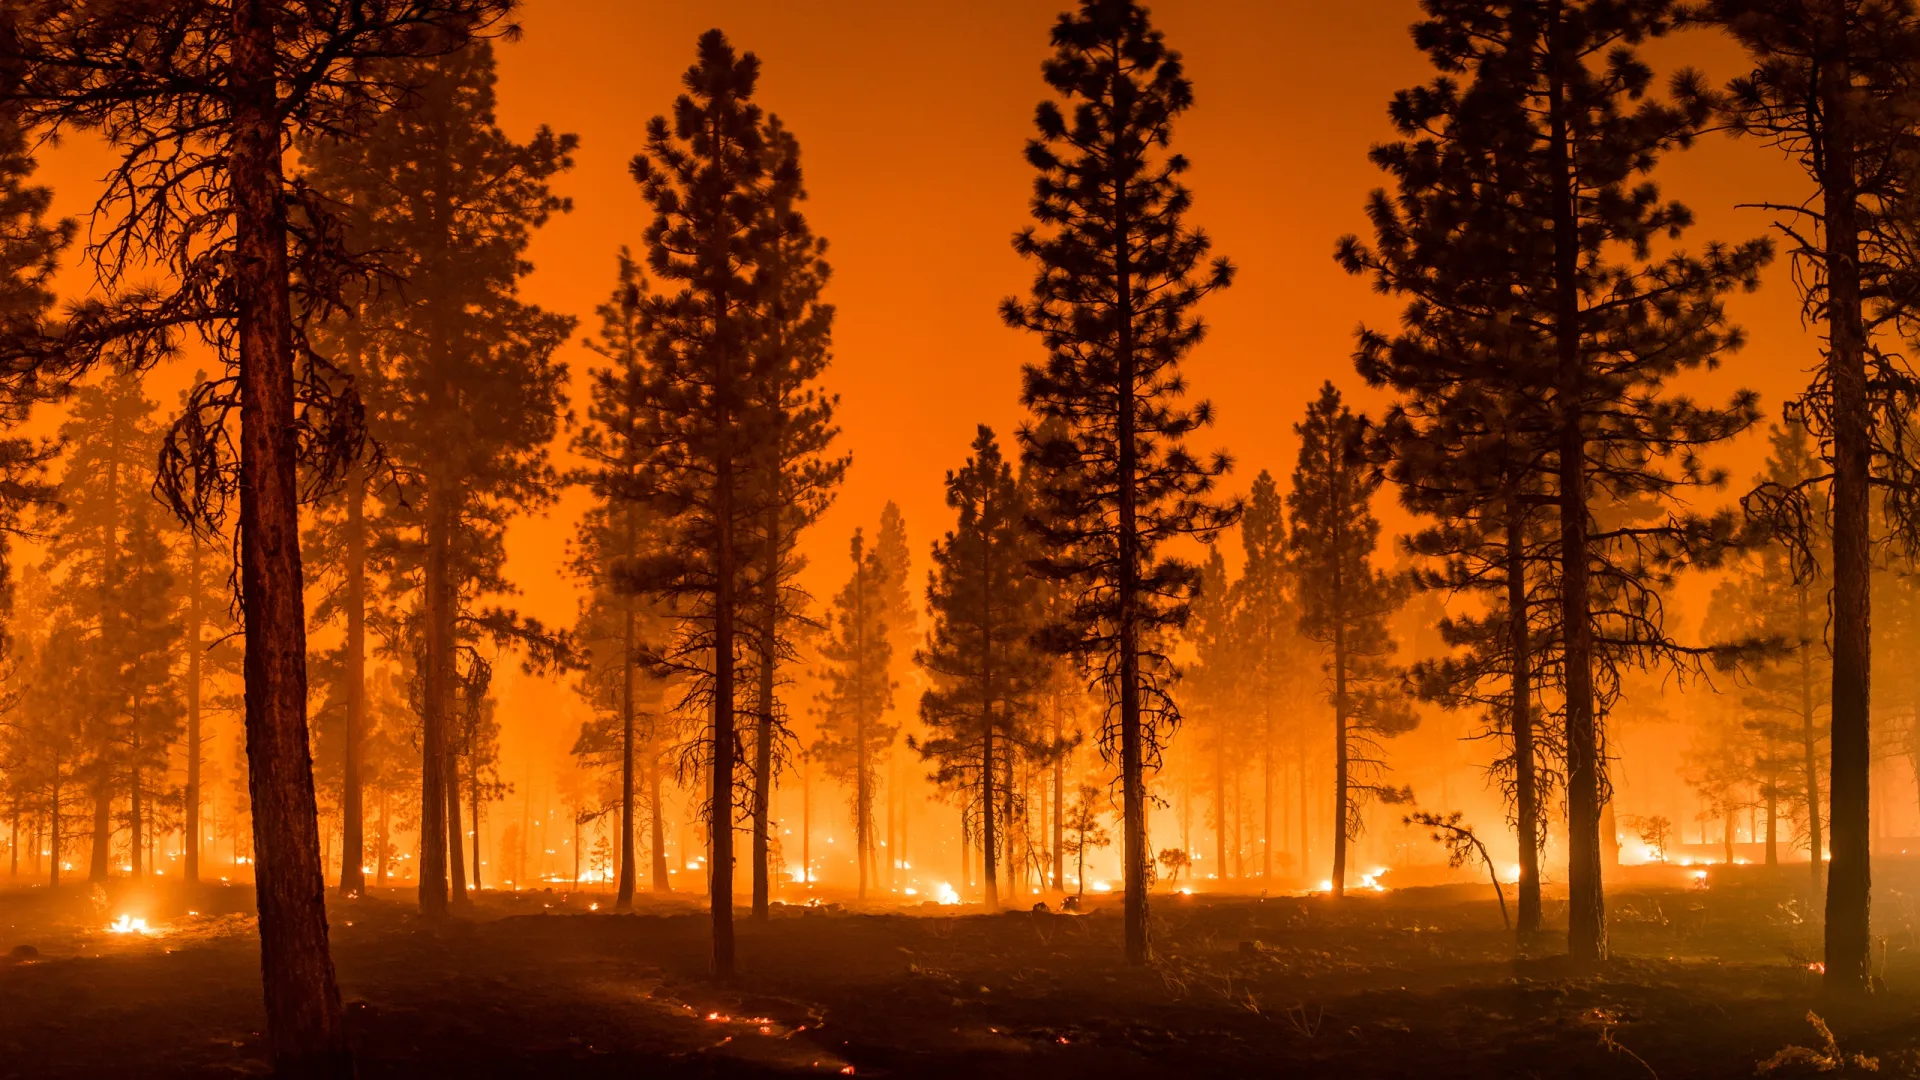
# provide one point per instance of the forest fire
(1282, 536)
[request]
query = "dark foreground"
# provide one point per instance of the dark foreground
(1711, 982)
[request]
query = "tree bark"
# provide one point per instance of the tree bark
(437, 689)
(623, 898)
(1586, 899)
(353, 877)
(1850, 876)
(769, 649)
(1526, 794)
(196, 618)
(305, 1033)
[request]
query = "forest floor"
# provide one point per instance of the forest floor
(1709, 979)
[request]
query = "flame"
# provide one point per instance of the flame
(127, 924)
(945, 893)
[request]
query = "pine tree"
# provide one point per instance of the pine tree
(901, 616)
(1119, 274)
(1213, 688)
(702, 172)
(1832, 87)
(1274, 658)
(1770, 600)
(855, 732)
(793, 473)
(30, 251)
(1523, 237)
(472, 393)
(193, 99)
(985, 607)
(610, 623)
(1345, 604)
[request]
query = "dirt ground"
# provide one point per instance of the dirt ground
(1710, 979)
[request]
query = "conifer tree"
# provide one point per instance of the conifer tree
(1345, 605)
(473, 393)
(195, 100)
(609, 537)
(1768, 599)
(201, 569)
(1832, 86)
(1119, 272)
(792, 473)
(984, 605)
(702, 172)
(30, 249)
(1522, 236)
(902, 617)
(1213, 688)
(855, 732)
(1272, 655)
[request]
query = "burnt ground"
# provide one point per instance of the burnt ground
(1707, 982)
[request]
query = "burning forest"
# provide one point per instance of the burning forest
(1206, 539)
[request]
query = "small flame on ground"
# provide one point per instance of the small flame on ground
(127, 924)
(945, 893)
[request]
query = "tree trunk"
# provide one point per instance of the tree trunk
(1850, 877)
(435, 695)
(456, 833)
(720, 798)
(1526, 795)
(623, 898)
(1059, 799)
(386, 838)
(473, 801)
(769, 649)
(1340, 758)
(661, 882)
(305, 1033)
(136, 823)
(353, 855)
(98, 866)
(195, 649)
(989, 828)
(1586, 899)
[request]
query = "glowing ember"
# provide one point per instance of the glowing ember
(1817, 968)
(127, 924)
(596, 907)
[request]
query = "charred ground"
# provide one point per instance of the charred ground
(1708, 981)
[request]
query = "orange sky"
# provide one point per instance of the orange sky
(912, 118)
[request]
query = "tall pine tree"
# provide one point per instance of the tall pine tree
(1119, 272)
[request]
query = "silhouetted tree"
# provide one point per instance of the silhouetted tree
(984, 604)
(30, 249)
(1767, 599)
(792, 473)
(855, 733)
(1533, 264)
(1119, 273)
(1832, 86)
(702, 173)
(1345, 604)
(199, 99)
